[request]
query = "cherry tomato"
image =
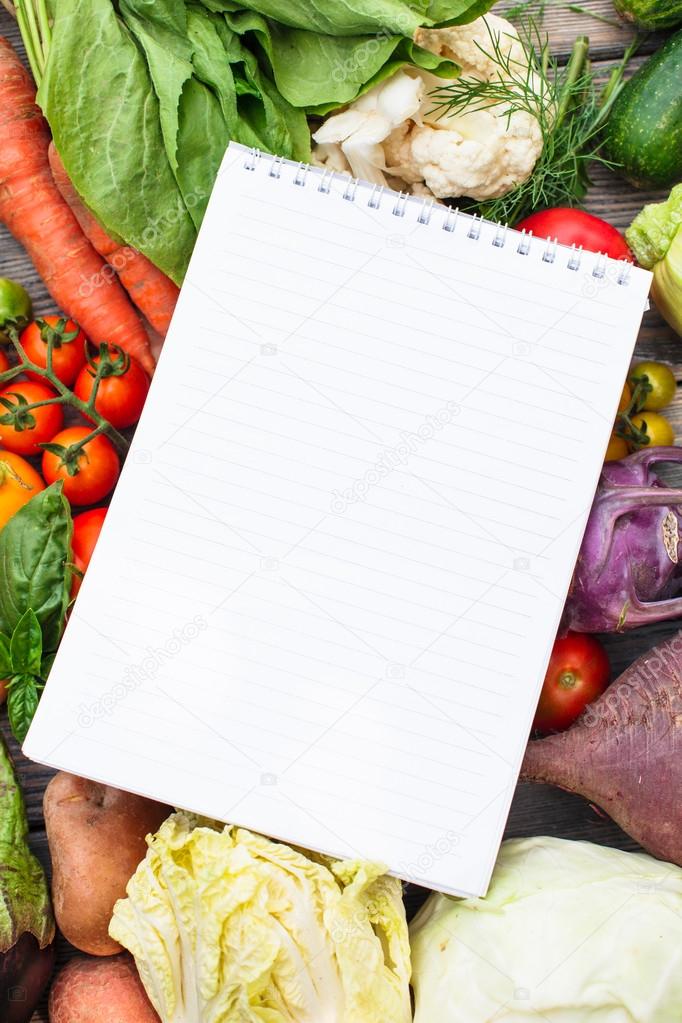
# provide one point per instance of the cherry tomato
(661, 380)
(576, 227)
(578, 673)
(19, 482)
(4, 362)
(120, 399)
(617, 449)
(37, 425)
(68, 350)
(625, 398)
(657, 428)
(89, 475)
(86, 530)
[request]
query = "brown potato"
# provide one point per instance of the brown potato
(100, 991)
(96, 836)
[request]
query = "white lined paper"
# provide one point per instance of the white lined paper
(333, 568)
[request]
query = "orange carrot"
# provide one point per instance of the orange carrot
(153, 293)
(34, 211)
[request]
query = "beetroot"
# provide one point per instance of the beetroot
(625, 752)
(628, 570)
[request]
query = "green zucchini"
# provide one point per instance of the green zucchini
(651, 14)
(643, 135)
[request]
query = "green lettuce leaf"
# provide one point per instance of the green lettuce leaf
(143, 96)
(168, 53)
(225, 924)
(655, 237)
(651, 233)
(35, 552)
(99, 100)
(340, 17)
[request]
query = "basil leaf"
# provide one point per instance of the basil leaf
(26, 645)
(23, 694)
(35, 550)
(46, 665)
(5, 658)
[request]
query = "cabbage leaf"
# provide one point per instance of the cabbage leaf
(568, 932)
(227, 925)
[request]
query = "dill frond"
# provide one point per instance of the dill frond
(568, 105)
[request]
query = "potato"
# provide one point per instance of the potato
(96, 836)
(100, 991)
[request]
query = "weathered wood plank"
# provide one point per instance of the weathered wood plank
(536, 809)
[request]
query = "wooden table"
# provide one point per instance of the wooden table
(536, 809)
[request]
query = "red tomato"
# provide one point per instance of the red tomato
(120, 399)
(578, 673)
(4, 362)
(68, 348)
(38, 424)
(86, 530)
(576, 227)
(91, 474)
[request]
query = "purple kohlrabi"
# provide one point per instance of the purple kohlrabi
(628, 570)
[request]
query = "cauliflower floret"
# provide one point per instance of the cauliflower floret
(397, 129)
(480, 155)
(354, 136)
(470, 45)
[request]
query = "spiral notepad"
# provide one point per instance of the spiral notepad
(326, 591)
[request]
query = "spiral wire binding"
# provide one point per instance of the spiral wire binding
(400, 207)
(474, 231)
(377, 194)
(425, 215)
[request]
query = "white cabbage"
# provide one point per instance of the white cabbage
(569, 933)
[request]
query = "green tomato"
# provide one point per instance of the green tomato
(661, 380)
(15, 303)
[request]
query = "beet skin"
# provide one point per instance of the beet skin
(625, 752)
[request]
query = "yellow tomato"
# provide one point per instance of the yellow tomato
(661, 380)
(625, 398)
(657, 428)
(19, 482)
(617, 449)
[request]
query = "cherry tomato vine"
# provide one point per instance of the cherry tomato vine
(109, 361)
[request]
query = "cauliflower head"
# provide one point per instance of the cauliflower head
(393, 135)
